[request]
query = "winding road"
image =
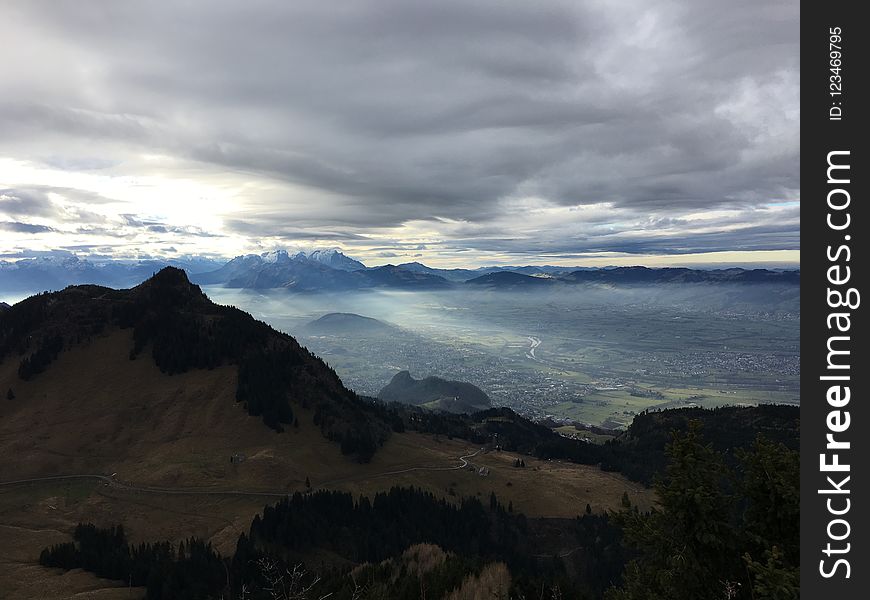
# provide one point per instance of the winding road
(463, 462)
(114, 483)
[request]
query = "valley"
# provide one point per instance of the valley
(601, 355)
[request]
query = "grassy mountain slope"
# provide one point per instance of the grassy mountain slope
(182, 330)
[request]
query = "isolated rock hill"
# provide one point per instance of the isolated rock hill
(349, 324)
(174, 324)
(435, 393)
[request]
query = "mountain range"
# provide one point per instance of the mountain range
(56, 271)
(331, 270)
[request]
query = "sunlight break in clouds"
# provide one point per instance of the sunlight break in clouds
(448, 132)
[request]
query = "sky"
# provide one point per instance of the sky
(454, 132)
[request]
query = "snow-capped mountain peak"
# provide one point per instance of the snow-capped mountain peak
(275, 256)
(331, 257)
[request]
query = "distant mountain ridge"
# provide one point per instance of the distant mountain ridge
(512, 279)
(327, 270)
(638, 276)
(297, 273)
(462, 275)
(393, 276)
(682, 275)
(314, 271)
(319, 270)
(55, 272)
(454, 275)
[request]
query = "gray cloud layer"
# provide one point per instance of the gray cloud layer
(381, 113)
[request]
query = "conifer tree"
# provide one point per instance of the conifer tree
(687, 549)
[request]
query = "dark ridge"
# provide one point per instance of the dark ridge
(182, 330)
(355, 536)
(435, 393)
(397, 277)
(638, 453)
(645, 275)
(637, 276)
(510, 279)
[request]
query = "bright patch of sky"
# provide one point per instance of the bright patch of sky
(454, 133)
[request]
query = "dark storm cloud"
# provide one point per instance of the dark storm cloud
(263, 228)
(34, 254)
(36, 201)
(400, 111)
(18, 227)
(768, 237)
(152, 226)
(26, 203)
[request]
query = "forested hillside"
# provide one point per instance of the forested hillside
(359, 544)
(719, 532)
(638, 453)
(179, 328)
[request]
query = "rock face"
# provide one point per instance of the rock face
(333, 258)
(435, 393)
(317, 271)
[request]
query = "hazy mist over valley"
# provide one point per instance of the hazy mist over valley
(593, 346)
(595, 354)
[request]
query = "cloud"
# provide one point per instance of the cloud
(369, 125)
(19, 203)
(17, 227)
(265, 228)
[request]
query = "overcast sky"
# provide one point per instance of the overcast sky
(450, 131)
